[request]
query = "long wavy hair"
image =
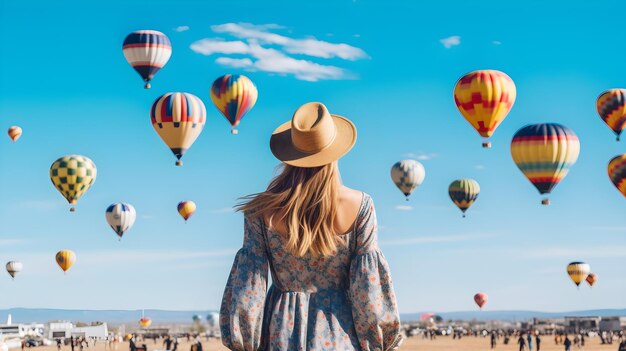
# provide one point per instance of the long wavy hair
(306, 201)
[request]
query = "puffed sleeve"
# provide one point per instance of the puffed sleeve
(241, 313)
(374, 306)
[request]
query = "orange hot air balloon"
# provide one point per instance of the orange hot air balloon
(15, 133)
(65, 259)
(591, 279)
(186, 209)
(480, 299)
(484, 98)
(145, 322)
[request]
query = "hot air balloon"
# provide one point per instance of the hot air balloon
(463, 193)
(611, 106)
(213, 319)
(480, 299)
(186, 209)
(73, 175)
(178, 118)
(197, 318)
(617, 172)
(121, 217)
(65, 259)
(15, 133)
(147, 51)
(145, 322)
(14, 267)
(591, 279)
(407, 175)
(234, 95)
(578, 271)
(545, 153)
(484, 98)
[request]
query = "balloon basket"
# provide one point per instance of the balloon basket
(72, 209)
(147, 86)
(234, 131)
(179, 163)
(464, 215)
(617, 139)
(487, 145)
(545, 202)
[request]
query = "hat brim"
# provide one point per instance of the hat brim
(283, 149)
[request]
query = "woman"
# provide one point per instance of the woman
(331, 288)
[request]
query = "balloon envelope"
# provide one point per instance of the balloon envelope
(484, 98)
(591, 279)
(121, 217)
(617, 172)
(545, 153)
(178, 118)
(578, 271)
(15, 133)
(480, 299)
(234, 95)
(147, 51)
(65, 259)
(611, 106)
(407, 175)
(72, 176)
(463, 193)
(197, 318)
(186, 209)
(145, 322)
(14, 267)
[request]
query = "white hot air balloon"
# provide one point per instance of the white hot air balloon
(407, 175)
(14, 267)
(121, 217)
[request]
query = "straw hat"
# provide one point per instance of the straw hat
(313, 137)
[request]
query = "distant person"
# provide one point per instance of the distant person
(622, 346)
(522, 342)
(493, 340)
(530, 341)
(59, 344)
(72, 342)
(538, 341)
(168, 343)
(567, 343)
(582, 340)
(175, 344)
(131, 344)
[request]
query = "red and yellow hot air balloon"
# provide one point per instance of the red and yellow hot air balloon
(617, 172)
(484, 98)
(186, 209)
(65, 259)
(591, 279)
(178, 118)
(611, 106)
(145, 322)
(545, 153)
(234, 95)
(480, 299)
(15, 133)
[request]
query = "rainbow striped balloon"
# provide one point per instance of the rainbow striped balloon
(234, 95)
(617, 172)
(178, 118)
(147, 51)
(545, 153)
(463, 193)
(611, 106)
(484, 98)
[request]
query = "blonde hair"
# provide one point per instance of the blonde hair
(306, 198)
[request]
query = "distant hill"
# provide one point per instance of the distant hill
(515, 315)
(42, 315)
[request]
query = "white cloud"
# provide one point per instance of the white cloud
(422, 156)
(404, 208)
(222, 210)
(450, 41)
(479, 167)
(181, 28)
(270, 52)
(496, 42)
(434, 239)
(9, 242)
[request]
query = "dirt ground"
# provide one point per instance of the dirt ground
(415, 343)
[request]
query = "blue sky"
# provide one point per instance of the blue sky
(65, 81)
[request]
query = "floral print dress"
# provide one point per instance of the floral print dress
(340, 302)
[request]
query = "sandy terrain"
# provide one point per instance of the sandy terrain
(411, 344)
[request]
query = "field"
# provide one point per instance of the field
(411, 344)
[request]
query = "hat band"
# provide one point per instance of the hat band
(330, 142)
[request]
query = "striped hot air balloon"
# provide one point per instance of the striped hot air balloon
(178, 118)
(617, 172)
(484, 98)
(121, 217)
(407, 175)
(463, 193)
(72, 176)
(65, 259)
(611, 106)
(14, 267)
(186, 209)
(234, 95)
(578, 272)
(15, 133)
(545, 153)
(480, 299)
(147, 51)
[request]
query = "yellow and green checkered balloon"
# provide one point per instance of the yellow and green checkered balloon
(72, 175)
